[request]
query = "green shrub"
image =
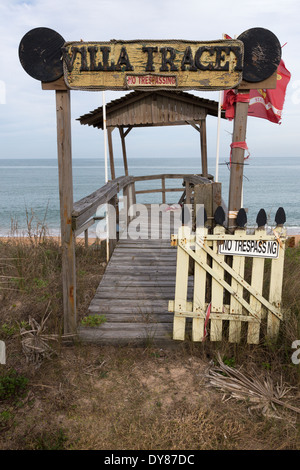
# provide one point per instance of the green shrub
(93, 320)
(12, 385)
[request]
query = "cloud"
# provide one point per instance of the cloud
(28, 115)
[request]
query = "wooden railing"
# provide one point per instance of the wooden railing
(83, 214)
(188, 182)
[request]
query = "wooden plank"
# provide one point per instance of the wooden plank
(199, 288)
(109, 282)
(136, 290)
(257, 278)
(86, 207)
(196, 179)
(138, 317)
(182, 270)
(217, 291)
(64, 153)
(216, 196)
(159, 190)
(144, 261)
(133, 277)
(123, 333)
(58, 85)
(84, 227)
(203, 194)
(269, 83)
(236, 309)
(275, 291)
(131, 304)
(132, 72)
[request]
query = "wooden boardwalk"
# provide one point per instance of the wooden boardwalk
(134, 293)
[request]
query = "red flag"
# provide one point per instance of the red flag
(263, 103)
(268, 104)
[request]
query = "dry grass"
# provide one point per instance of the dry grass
(137, 398)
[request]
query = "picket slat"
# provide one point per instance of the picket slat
(182, 271)
(257, 278)
(199, 289)
(217, 291)
(276, 285)
(238, 264)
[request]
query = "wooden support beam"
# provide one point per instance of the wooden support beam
(237, 161)
(203, 144)
(122, 135)
(64, 153)
(269, 83)
(127, 131)
(58, 85)
(203, 194)
(111, 152)
(163, 190)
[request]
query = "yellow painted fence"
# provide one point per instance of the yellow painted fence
(220, 293)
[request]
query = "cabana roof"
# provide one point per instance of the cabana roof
(153, 108)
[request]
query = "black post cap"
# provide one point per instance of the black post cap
(261, 218)
(241, 219)
(280, 216)
(219, 215)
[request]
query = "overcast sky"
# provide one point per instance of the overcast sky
(28, 126)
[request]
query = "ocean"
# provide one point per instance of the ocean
(31, 185)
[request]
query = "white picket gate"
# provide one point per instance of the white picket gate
(218, 276)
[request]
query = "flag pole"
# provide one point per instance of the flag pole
(105, 135)
(218, 139)
(218, 133)
(106, 169)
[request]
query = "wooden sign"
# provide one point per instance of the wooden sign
(252, 248)
(120, 65)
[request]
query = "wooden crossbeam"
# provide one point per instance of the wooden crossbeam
(236, 276)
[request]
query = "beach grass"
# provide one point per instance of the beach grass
(83, 396)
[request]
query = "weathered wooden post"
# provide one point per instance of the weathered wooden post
(64, 154)
(262, 54)
(237, 159)
(203, 145)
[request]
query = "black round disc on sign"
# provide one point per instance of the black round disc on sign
(40, 54)
(262, 54)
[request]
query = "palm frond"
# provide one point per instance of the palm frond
(262, 393)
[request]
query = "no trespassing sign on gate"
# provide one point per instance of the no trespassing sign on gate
(252, 248)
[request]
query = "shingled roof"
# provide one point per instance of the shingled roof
(153, 108)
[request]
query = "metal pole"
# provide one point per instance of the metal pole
(106, 170)
(218, 138)
(218, 131)
(105, 135)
